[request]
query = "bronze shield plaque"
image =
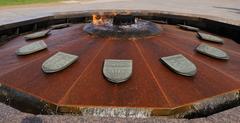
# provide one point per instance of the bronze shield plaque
(180, 64)
(210, 38)
(37, 35)
(212, 51)
(117, 71)
(58, 62)
(32, 48)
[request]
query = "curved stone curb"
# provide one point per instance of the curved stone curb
(22, 100)
(32, 48)
(8, 114)
(214, 104)
(202, 22)
(200, 108)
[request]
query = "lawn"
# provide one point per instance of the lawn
(21, 2)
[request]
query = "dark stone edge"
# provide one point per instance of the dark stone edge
(213, 25)
(202, 108)
(25, 102)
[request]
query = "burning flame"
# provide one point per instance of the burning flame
(97, 20)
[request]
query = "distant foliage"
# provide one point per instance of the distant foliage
(20, 2)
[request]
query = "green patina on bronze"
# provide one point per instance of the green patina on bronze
(117, 71)
(211, 38)
(212, 52)
(58, 62)
(180, 64)
(36, 35)
(32, 48)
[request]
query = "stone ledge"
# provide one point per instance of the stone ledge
(8, 114)
(216, 25)
(201, 108)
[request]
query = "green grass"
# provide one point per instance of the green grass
(22, 2)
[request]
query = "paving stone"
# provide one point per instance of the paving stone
(180, 64)
(36, 35)
(58, 62)
(210, 38)
(212, 51)
(117, 71)
(60, 26)
(32, 48)
(189, 28)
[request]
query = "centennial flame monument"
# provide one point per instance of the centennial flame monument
(138, 64)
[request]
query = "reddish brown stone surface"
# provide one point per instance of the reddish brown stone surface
(151, 85)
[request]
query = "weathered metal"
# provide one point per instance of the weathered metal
(116, 70)
(31, 48)
(36, 35)
(152, 86)
(212, 51)
(209, 37)
(180, 64)
(58, 62)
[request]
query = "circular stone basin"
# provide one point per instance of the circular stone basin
(152, 90)
(140, 28)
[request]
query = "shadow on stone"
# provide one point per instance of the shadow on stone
(32, 119)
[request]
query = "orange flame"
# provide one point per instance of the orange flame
(97, 20)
